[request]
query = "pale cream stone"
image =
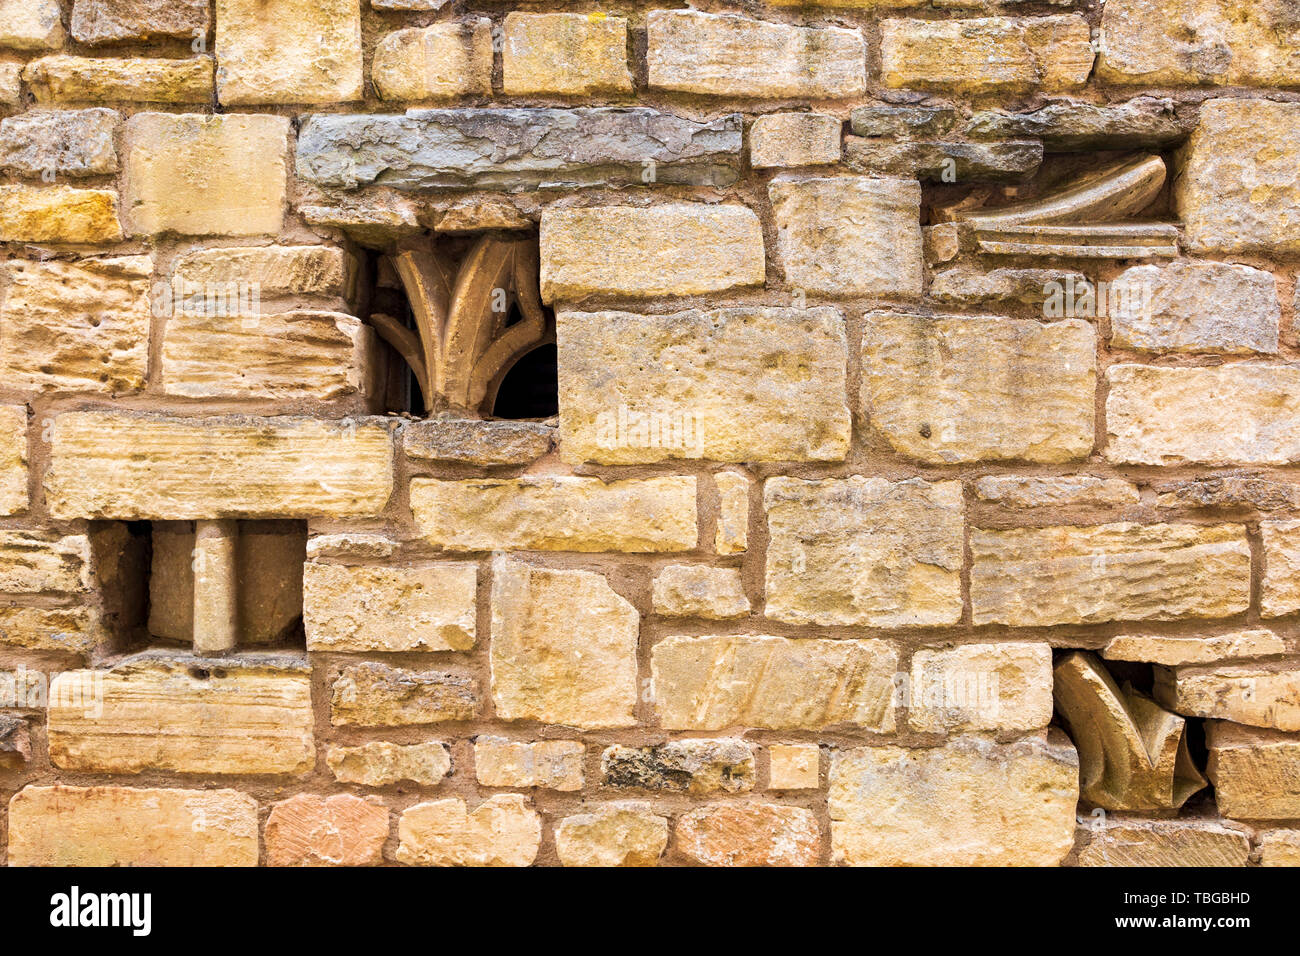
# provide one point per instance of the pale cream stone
(1123, 842)
(182, 716)
(1279, 848)
(1218, 415)
(551, 764)
(371, 694)
(438, 62)
(1232, 194)
(272, 270)
(642, 388)
(563, 647)
(294, 51)
(728, 55)
(570, 54)
(692, 590)
(77, 79)
(1010, 54)
(1256, 773)
(864, 551)
(732, 533)
(559, 513)
(849, 236)
(13, 459)
(946, 389)
(380, 763)
(612, 834)
(68, 630)
(1260, 695)
(1280, 593)
(970, 802)
(58, 214)
(31, 25)
(1005, 686)
(32, 562)
(1173, 651)
(773, 683)
(124, 826)
(669, 249)
(784, 140)
(793, 767)
(76, 326)
(11, 84)
(501, 831)
(126, 465)
(203, 175)
(389, 609)
(1028, 491)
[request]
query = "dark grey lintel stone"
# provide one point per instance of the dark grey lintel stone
(513, 149)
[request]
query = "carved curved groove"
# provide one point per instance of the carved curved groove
(1107, 195)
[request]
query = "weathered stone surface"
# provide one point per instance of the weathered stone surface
(361, 544)
(690, 590)
(552, 764)
(438, 62)
(376, 695)
(501, 831)
(1261, 695)
(696, 767)
(1145, 122)
(981, 687)
(123, 826)
(571, 54)
(76, 79)
(794, 767)
(1191, 42)
(375, 218)
(389, 609)
(314, 356)
(182, 715)
(672, 249)
(728, 55)
(13, 459)
(1280, 593)
(945, 389)
(1230, 491)
(1256, 773)
(205, 175)
(312, 830)
(15, 743)
(1011, 161)
(380, 763)
(1217, 415)
(69, 630)
(1173, 651)
(563, 647)
(296, 51)
(1279, 848)
(732, 533)
(1191, 842)
(642, 388)
(32, 562)
(76, 326)
(272, 270)
(903, 122)
(1010, 54)
(479, 211)
(1234, 196)
(31, 24)
(477, 442)
(755, 834)
(1197, 307)
(612, 834)
(515, 149)
(96, 22)
(58, 214)
(864, 551)
(1037, 577)
(970, 802)
(782, 140)
(60, 142)
(1017, 492)
(849, 236)
(11, 84)
(557, 513)
(774, 683)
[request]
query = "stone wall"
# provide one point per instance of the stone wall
(922, 488)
